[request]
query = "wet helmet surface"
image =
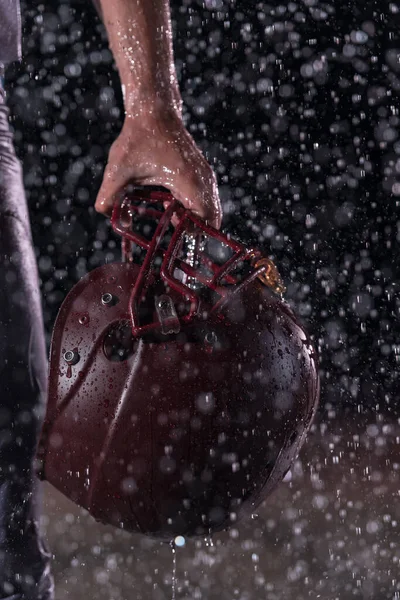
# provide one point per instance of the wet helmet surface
(181, 385)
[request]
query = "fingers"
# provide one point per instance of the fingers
(175, 163)
(203, 199)
(198, 193)
(203, 202)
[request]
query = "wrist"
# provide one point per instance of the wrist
(150, 103)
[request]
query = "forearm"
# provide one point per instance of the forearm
(140, 37)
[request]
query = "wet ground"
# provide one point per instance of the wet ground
(331, 531)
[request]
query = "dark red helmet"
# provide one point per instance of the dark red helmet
(181, 388)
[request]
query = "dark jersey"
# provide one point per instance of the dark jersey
(10, 30)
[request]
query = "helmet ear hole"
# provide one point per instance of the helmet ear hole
(119, 342)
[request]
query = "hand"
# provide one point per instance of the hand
(156, 150)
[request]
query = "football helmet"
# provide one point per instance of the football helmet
(181, 385)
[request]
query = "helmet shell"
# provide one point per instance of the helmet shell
(184, 432)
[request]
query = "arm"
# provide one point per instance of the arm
(154, 147)
(140, 38)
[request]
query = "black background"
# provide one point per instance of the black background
(296, 107)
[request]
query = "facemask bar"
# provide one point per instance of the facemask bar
(188, 225)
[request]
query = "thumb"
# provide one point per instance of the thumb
(113, 182)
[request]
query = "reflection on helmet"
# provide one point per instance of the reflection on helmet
(181, 385)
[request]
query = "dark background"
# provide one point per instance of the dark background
(296, 105)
